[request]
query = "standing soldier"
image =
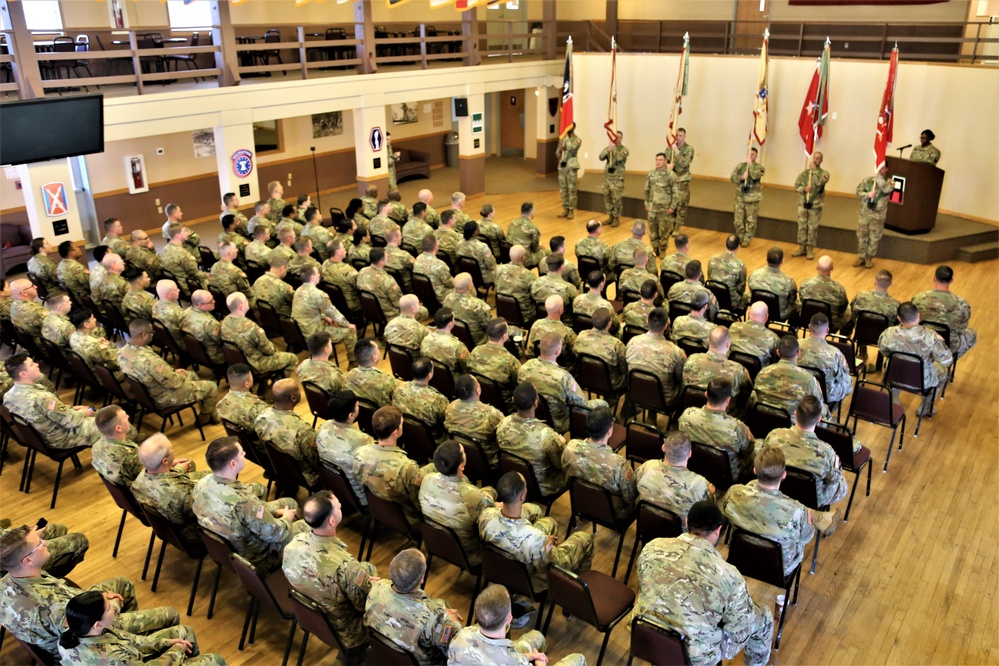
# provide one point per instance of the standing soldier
(747, 176)
(615, 155)
(393, 156)
(680, 156)
(659, 203)
(276, 203)
(568, 168)
(811, 188)
(873, 193)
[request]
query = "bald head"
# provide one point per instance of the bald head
(237, 302)
(19, 287)
(426, 196)
(113, 263)
(824, 265)
(759, 312)
(165, 289)
(201, 297)
(554, 306)
(286, 391)
(719, 339)
(517, 253)
(409, 304)
(462, 282)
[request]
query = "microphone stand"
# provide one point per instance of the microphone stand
(315, 173)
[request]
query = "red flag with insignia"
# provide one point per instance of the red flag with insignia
(886, 116)
(566, 105)
(816, 106)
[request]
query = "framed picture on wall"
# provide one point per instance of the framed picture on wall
(327, 124)
(135, 172)
(204, 143)
(404, 114)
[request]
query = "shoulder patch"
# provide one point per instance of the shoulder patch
(360, 578)
(260, 512)
(52, 404)
(446, 634)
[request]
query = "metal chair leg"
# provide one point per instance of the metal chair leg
(159, 565)
(815, 553)
(291, 639)
(215, 590)
(301, 652)
(194, 586)
(246, 623)
(121, 528)
(149, 553)
(55, 489)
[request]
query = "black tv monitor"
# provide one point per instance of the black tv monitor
(47, 129)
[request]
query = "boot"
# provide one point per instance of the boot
(745, 242)
(825, 521)
(800, 252)
(809, 254)
(859, 261)
(615, 221)
(564, 213)
(571, 213)
(868, 263)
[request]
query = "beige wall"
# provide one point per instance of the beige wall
(944, 12)
(425, 125)
(676, 10)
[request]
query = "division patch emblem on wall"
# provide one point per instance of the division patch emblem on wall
(56, 202)
(242, 162)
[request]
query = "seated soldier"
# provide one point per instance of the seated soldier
(653, 353)
(382, 286)
(713, 425)
(66, 549)
(115, 456)
(93, 348)
(823, 288)
(467, 307)
(137, 303)
(693, 325)
(56, 327)
(405, 330)
(494, 361)
(272, 288)
(240, 405)
(167, 484)
(338, 439)
(771, 278)
(338, 272)
(553, 323)
(668, 483)
(418, 399)
(523, 435)
(366, 380)
(730, 270)
(26, 313)
(303, 258)
(878, 301)
(471, 417)
(284, 429)
(474, 248)
(599, 342)
(632, 278)
(442, 346)
(247, 334)
(167, 310)
(783, 385)
(553, 284)
(258, 250)
(700, 369)
(516, 280)
(226, 277)
(435, 270)
(595, 461)
(593, 300)
(569, 271)
(677, 262)
(199, 322)
(753, 337)
(637, 312)
(555, 383)
(314, 311)
(318, 368)
(691, 287)
(928, 345)
(819, 354)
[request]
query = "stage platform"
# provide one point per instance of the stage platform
(711, 204)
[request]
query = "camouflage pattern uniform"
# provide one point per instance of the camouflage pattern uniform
(112, 288)
(59, 425)
(588, 246)
(681, 157)
(655, 354)
(747, 199)
(871, 223)
(311, 306)
(337, 443)
(730, 271)
(371, 384)
(206, 329)
(437, 272)
(944, 307)
(5, 383)
(96, 275)
(343, 275)
(498, 364)
(457, 503)
(147, 260)
(559, 387)
(370, 207)
(517, 281)
(66, 549)
(45, 270)
(241, 408)
(285, 252)
(683, 292)
(817, 353)
(601, 466)
(360, 252)
(184, 267)
(569, 273)
(287, 431)
(553, 285)
(632, 279)
(321, 568)
(277, 205)
(675, 263)
(166, 386)
(115, 646)
(170, 314)
(568, 169)
(659, 197)
(474, 312)
(810, 204)
(539, 445)
(928, 153)
(404, 331)
(388, 473)
(928, 346)
(605, 346)
(637, 314)
(691, 326)
(781, 284)
(772, 514)
(172, 495)
(783, 385)
(483, 256)
(806, 451)
(590, 302)
(320, 236)
(721, 431)
(56, 328)
(33, 609)
(527, 539)
(138, 304)
(380, 226)
(673, 488)
(749, 337)
(413, 233)
(384, 288)
(616, 157)
(116, 460)
(523, 231)
(234, 237)
(825, 289)
(327, 375)
(447, 242)
(257, 252)
(443, 347)
(686, 585)
(623, 255)
(424, 402)
(400, 262)
(300, 262)
(238, 512)
(260, 352)
(493, 236)
(227, 278)
(414, 622)
(278, 293)
(74, 276)
(477, 420)
(702, 368)
(27, 317)
(879, 302)
(471, 648)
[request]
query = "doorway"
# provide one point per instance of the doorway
(512, 123)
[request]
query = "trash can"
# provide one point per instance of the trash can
(451, 149)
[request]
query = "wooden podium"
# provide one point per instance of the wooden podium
(912, 207)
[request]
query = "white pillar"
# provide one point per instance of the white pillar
(50, 200)
(370, 127)
(472, 146)
(234, 143)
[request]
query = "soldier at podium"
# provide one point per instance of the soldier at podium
(873, 193)
(925, 151)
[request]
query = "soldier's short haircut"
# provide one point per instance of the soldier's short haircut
(342, 404)
(555, 242)
(770, 465)
(393, 235)
(638, 228)
(302, 244)
(944, 274)
(595, 278)
(788, 347)
(220, 452)
(599, 422)
(228, 197)
(601, 319)
(364, 351)
(259, 206)
(132, 274)
(883, 279)
(377, 255)
(640, 256)
(288, 210)
(422, 368)
(719, 390)
(470, 229)
(317, 342)
(662, 155)
(139, 327)
(677, 448)
(153, 450)
(407, 570)
(227, 221)
(14, 365)
(108, 223)
(524, 396)
(175, 229)
(775, 256)
(418, 208)
(272, 186)
(719, 337)
(237, 374)
(649, 289)
(693, 269)
(308, 273)
(681, 242)
(14, 547)
(443, 318)
(99, 252)
(447, 216)
(260, 231)
(550, 344)
(732, 242)
(381, 204)
(818, 322)
(78, 316)
(429, 243)
(360, 233)
(555, 262)
(809, 411)
(464, 387)
(226, 247)
(287, 232)
(526, 207)
(371, 191)
(317, 509)
(907, 312)
(333, 247)
(496, 328)
(64, 248)
(704, 518)
(36, 245)
(447, 458)
(510, 487)
(310, 213)
(56, 299)
(277, 261)
(463, 282)
(386, 421)
(235, 301)
(492, 607)
(592, 226)
(106, 419)
(658, 319)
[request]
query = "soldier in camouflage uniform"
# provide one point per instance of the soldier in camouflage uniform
(375, 279)
(819, 354)
(6, 383)
(448, 237)
(753, 337)
(416, 228)
(272, 288)
(519, 529)
(686, 585)
(729, 269)
(115, 456)
(166, 386)
(66, 549)
(659, 204)
(418, 399)
(303, 258)
(632, 279)
(71, 273)
(568, 169)
(142, 254)
(616, 156)
(942, 306)
(59, 425)
(370, 201)
(258, 250)
(175, 216)
(318, 369)
(33, 602)
(516, 281)
(402, 612)
(470, 417)
(700, 369)
(167, 485)
(592, 246)
(113, 232)
(637, 313)
(925, 151)
(337, 272)
(811, 188)
(232, 232)
(318, 564)
(316, 232)
(653, 353)
(167, 310)
(524, 232)
(783, 385)
(314, 311)
(693, 325)
(523, 435)
(667, 483)
(426, 197)
(405, 330)
(240, 405)
(258, 530)
(381, 223)
(434, 269)
(677, 262)
(467, 307)
(553, 283)
(366, 380)
(876, 300)
(748, 192)
(803, 449)
(276, 203)
(284, 249)
(43, 268)
(494, 361)
(56, 327)
(281, 427)
(492, 234)
(230, 206)
(599, 342)
(555, 383)
(593, 300)
(199, 321)
(473, 248)
(458, 206)
(225, 276)
(593, 460)
(714, 426)
(823, 288)
(679, 157)
(873, 193)
(179, 261)
(442, 346)
(98, 271)
(691, 289)
(339, 438)
(450, 499)
(112, 287)
(137, 303)
(771, 278)
(260, 352)
(398, 260)
(911, 338)
(360, 246)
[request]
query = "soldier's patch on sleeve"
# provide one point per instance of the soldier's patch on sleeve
(629, 474)
(160, 368)
(260, 512)
(446, 634)
(360, 578)
(52, 405)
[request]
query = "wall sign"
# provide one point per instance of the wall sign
(56, 203)
(477, 123)
(376, 139)
(242, 162)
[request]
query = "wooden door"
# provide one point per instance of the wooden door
(512, 123)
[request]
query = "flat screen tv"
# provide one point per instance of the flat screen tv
(51, 128)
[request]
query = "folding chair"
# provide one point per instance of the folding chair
(654, 522)
(443, 542)
(760, 558)
(657, 644)
(840, 439)
(875, 405)
(596, 504)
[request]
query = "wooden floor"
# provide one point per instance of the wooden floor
(911, 579)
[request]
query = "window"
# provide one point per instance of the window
(42, 15)
(185, 16)
(267, 136)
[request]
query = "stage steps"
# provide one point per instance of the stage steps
(980, 252)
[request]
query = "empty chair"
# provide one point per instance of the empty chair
(594, 377)
(401, 362)
(801, 485)
(264, 590)
(27, 435)
(644, 441)
(165, 530)
(713, 464)
(508, 307)
(760, 558)
(872, 402)
(388, 514)
(126, 501)
(386, 653)
(762, 419)
(654, 522)
(372, 310)
(219, 550)
(748, 361)
(424, 290)
(418, 439)
(667, 279)
(840, 439)
(443, 380)
(313, 620)
(870, 326)
(646, 392)
(443, 542)
(319, 402)
(577, 428)
(811, 307)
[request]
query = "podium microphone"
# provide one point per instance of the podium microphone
(903, 148)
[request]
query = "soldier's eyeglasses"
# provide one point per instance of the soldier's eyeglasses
(41, 542)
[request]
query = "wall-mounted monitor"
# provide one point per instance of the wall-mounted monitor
(47, 129)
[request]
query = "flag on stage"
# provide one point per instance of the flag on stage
(611, 124)
(886, 116)
(566, 104)
(816, 106)
(679, 92)
(762, 93)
